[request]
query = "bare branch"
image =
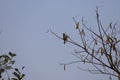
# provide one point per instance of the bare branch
(101, 49)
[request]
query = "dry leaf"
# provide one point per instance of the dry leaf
(64, 67)
(110, 25)
(114, 47)
(77, 25)
(92, 53)
(102, 50)
(82, 32)
(110, 78)
(108, 39)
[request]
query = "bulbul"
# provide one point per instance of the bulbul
(65, 38)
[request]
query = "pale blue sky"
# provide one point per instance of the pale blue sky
(24, 24)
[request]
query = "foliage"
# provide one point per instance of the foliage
(100, 49)
(6, 65)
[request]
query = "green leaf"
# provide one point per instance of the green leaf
(8, 67)
(23, 67)
(22, 76)
(7, 58)
(12, 54)
(12, 62)
(17, 70)
(1, 56)
(16, 75)
(0, 75)
(2, 70)
(14, 79)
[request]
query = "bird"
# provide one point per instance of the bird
(65, 38)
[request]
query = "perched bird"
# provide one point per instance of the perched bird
(65, 38)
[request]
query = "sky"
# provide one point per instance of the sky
(24, 25)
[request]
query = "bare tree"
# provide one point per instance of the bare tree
(100, 49)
